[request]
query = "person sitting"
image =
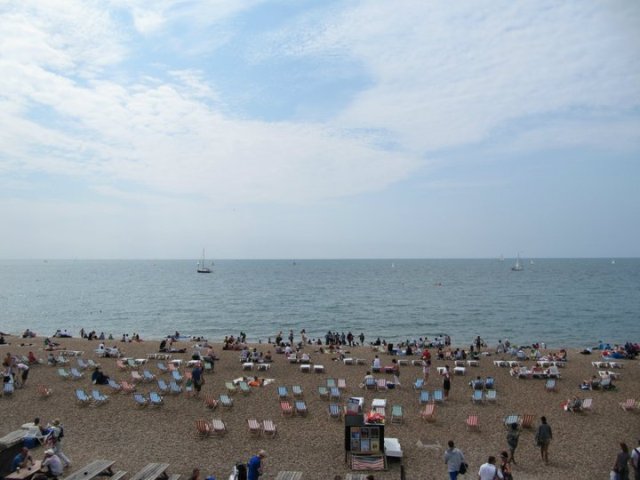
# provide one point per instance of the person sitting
(163, 346)
(51, 466)
(51, 360)
(376, 366)
(574, 404)
(99, 378)
(255, 382)
(31, 357)
(267, 357)
(22, 459)
(477, 384)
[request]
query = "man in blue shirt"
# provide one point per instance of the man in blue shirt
(21, 459)
(255, 465)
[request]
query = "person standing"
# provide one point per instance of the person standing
(454, 459)
(446, 383)
(255, 465)
(621, 466)
(635, 461)
(426, 367)
(198, 379)
(57, 434)
(512, 440)
(505, 466)
(543, 439)
(489, 471)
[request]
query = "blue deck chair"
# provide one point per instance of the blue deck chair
(244, 388)
(162, 367)
(477, 396)
(115, 386)
(174, 388)
(418, 384)
(424, 397)
(323, 392)
(140, 400)
(98, 398)
(176, 376)
(162, 385)
(335, 411)
(492, 396)
(331, 383)
(283, 392)
(75, 374)
(64, 374)
(438, 396)
(490, 383)
(82, 365)
(8, 389)
(81, 397)
(147, 376)
(226, 401)
(297, 391)
(550, 386)
(155, 399)
(301, 408)
(334, 393)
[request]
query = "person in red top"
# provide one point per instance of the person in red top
(426, 354)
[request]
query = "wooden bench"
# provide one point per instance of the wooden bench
(152, 471)
(289, 476)
(92, 470)
(12, 439)
(118, 475)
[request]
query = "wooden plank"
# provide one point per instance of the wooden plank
(91, 470)
(289, 476)
(152, 471)
(11, 439)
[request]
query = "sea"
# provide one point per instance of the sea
(572, 303)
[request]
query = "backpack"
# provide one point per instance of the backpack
(61, 434)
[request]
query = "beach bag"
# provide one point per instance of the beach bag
(464, 466)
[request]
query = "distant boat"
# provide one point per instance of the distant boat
(517, 267)
(202, 268)
(613, 262)
(530, 262)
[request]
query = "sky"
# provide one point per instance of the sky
(319, 129)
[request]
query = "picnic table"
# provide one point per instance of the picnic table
(94, 469)
(289, 476)
(152, 471)
(12, 439)
(25, 473)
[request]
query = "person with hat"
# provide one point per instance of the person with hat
(57, 433)
(51, 465)
(255, 465)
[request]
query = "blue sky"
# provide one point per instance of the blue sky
(305, 129)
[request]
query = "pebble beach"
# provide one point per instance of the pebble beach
(584, 444)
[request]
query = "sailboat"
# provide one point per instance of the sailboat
(201, 266)
(517, 267)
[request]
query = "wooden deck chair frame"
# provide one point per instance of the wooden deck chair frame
(527, 420)
(297, 391)
(203, 428)
(424, 397)
(473, 423)
(255, 429)
(269, 428)
(396, 414)
(210, 401)
(226, 401)
(428, 413)
(629, 405)
(301, 408)
(285, 408)
(335, 411)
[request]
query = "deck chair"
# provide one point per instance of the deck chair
(477, 397)
(331, 383)
(587, 404)
(131, 363)
(268, 428)
(81, 397)
(370, 383)
(115, 386)
(381, 384)
(334, 393)
(64, 374)
(323, 392)
(121, 365)
(550, 386)
(210, 401)
(335, 411)
(396, 414)
(139, 399)
(176, 376)
(285, 408)
(203, 428)
(76, 374)
(147, 376)
(92, 364)
(127, 387)
(244, 388)
(283, 392)
(629, 405)
(254, 427)
(424, 397)
(98, 398)
(473, 423)
(490, 383)
(60, 360)
(527, 420)
(208, 367)
(82, 365)
(438, 396)
(155, 399)
(162, 386)
(226, 401)
(136, 377)
(297, 391)
(492, 396)
(162, 367)
(428, 413)
(231, 388)
(301, 408)
(44, 391)
(8, 389)
(511, 419)
(553, 372)
(342, 384)
(418, 384)
(174, 388)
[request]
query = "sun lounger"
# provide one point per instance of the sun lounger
(396, 414)
(301, 408)
(335, 410)
(428, 413)
(210, 401)
(226, 401)
(318, 368)
(285, 408)
(98, 397)
(269, 428)
(254, 427)
(203, 428)
(81, 397)
(305, 368)
(155, 399)
(140, 400)
(473, 423)
(424, 397)
(459, 370)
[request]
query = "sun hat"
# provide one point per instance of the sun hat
(49, 451)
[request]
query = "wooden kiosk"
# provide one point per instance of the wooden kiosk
(363, 442)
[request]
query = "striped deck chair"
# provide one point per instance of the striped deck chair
(131, 363)
(98, 398)
(174, 388)
(210, 401)
(428, 413)
(438, 396)
(473, 423)
(629, 405)
(155, 399)
(60, 360)
(342, 383)
(81, 397)
(323, 392)
(492, 396)
(203, 428)
(396, 414)
(127, 387)
(424, 397)
(76, 374)
(218, 426)
(231, 388)
(162, 385)
(162, 367)
(226, 401)
(82, 365)
(477, 397)
(147, 376)
(64, 374)
(551, 385)
(136, 377)
(370, 383)
(334, 393)
(121, 365)
(92, 364)
(301, 408)
(283, 392)
(381, 384)
(176, 376)
(115, 386)
(244, 388)
(285, 408)
(8, 389)
(140, 400)
(254, 426)
(527, 420)
(418, 384)
(269, 428)
(335, 411)
(331, 383)
(587, 404)
(297, 391)
(511, 419)
(44, 391)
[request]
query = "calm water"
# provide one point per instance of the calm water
(570, 302)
